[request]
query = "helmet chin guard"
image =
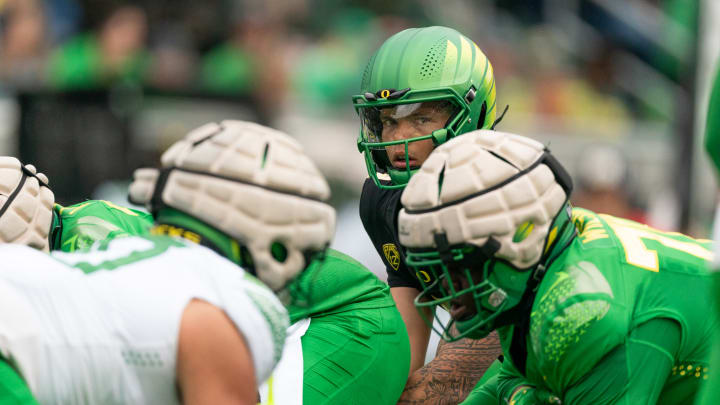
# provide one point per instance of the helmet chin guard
(253, 184)
(26, 205)
(494, 198)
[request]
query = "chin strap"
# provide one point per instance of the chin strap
(500, 118)
(443, 247)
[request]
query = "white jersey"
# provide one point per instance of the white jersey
(101, 327)
(285, 385)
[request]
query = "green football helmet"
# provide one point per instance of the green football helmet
(416, 66)
(483, 218)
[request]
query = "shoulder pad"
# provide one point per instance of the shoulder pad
(574, 322)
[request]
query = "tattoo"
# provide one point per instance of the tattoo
(453, 373)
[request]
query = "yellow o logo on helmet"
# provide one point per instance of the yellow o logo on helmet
(385, 93)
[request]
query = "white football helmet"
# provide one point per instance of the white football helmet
(253, 183)
(483, 207)
(26, 205)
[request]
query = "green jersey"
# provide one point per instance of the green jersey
(712, 128)
(339, 284)
(587, 330)
(79, 226)
(348, 344)
(712, 146)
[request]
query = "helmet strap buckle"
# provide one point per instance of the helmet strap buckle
(497, 297)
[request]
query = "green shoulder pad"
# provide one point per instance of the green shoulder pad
(576, 319)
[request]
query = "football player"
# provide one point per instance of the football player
(421, 88)
(30, 216)
(346, 343)
(711, 393)
(186, 313)
(590, 309)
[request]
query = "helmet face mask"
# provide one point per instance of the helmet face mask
(404, 132)
(467, 281)
(426, 64)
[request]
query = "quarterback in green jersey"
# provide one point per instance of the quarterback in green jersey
(587, 306)
(30, 216)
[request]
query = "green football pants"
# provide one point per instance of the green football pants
(13, 390)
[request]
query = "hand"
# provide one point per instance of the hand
(527, 395)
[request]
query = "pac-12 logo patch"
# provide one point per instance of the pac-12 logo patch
(392, 255)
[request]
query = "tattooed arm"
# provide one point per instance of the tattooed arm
(453, 373)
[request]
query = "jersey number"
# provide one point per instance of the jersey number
(633, 236)
(155, 246)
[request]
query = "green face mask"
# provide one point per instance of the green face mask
(471, 276)
(396, 139)
(466, 277)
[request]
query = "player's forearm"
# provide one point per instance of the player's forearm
(453, 373)
(430, 386)
(510, 382)
(418, 330)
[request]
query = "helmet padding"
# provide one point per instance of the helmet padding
(26, 205)
(485, 184)
(254, 184)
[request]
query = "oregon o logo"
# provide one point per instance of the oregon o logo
(392, 255)
(423, 275)
(384, 94)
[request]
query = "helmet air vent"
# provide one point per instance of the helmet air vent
(433, 60)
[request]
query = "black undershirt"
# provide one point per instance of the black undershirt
(379, 209)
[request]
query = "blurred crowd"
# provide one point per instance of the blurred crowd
(552, 58)
(605, 70)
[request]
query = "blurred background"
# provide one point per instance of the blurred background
(92, 89)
